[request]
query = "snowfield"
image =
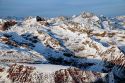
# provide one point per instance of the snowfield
(80, 49)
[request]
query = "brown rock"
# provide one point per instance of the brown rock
(1, 26)
(75, 75)
(1, 69)
(20, 73)
(7, 24)
(44, 23)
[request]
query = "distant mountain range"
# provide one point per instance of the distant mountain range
(82, 48)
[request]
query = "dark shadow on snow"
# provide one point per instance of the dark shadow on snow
(68, 58)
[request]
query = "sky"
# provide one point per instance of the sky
(52, 8)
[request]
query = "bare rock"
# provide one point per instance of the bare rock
(42, 21)
(7, 24)
(75, 75)
(20, 73)
(39, 19)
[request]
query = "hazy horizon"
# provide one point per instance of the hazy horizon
(52, 8)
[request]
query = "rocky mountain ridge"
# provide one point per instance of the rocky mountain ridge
(78, 49)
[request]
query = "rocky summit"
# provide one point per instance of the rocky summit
(83, 48)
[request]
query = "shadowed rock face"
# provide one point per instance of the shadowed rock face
(39, 19)
(42, 21)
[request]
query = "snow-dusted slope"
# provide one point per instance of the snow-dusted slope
(78, 49)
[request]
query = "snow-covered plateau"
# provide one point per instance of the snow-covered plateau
(83, 48)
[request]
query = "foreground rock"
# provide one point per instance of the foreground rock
(29, 74)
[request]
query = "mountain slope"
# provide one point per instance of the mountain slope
(81, 46)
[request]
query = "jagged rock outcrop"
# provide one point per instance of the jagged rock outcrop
(5, 25)
(29, 74)
(74, 75)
